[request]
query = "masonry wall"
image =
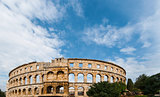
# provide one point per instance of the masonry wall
(61, 77)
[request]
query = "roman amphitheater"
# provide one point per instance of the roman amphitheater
(70, 77)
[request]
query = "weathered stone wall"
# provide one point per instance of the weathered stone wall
(61, 77)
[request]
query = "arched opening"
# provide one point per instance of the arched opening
(29, 91)
(24, 91)
(49, 90)
(20, 81)
(71, 77)
(42, 91)
(16, 81)
(117, 79)
(121, 79)
(112, 79)
(60, 89)
(80, 91)
(80, 77)
(30, 79)
(98, 78)
(16, 92)
(105, 78)
(19, 91)
(37, 79)
(36, 91)
(71, 91)
(89, 78)
(43, 78)
(60, 75)
(50, 75)
(25, 80)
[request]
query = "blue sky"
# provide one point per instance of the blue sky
(124, 32)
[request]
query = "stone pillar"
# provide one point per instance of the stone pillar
(32, 91)
(114, 79)
(76, 78)
(40, 90)
(26, 91)
(40, 78)
(109, 79)
(34, 79)
(28, 80)
(76, 91)
(85, 78)
(85, 90)
(23, 82)
(102, 77)
(94, 78)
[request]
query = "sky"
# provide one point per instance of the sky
(123, 32)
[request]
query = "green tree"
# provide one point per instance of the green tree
(105, 89)
(130, 85)
(2, 94)
(152, 85)
(139, 84)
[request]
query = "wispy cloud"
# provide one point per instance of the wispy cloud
(23, 41)
(128, 50)
(77, 7)
(108, 35)
(148, 31)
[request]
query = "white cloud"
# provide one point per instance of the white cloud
(108, 35)
(134, 68)
(77, 7)
(128, 50)
(36, 9)
(148, 31)
(21, 41)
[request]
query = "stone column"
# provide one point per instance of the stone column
(109, 79)
(94, 78)
(114, 79)
(76, 91)
(28, 80)
(85, 78)
(34, 79)
(85, 90)
(102, 77)
(76, 78)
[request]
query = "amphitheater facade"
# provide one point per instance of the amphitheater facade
(71, 77)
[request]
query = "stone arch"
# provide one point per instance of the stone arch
(36, 91)
(117, 79)
(37, 78)
(60, 89)
(25, 80)
(24, 91)
(71, 77)
(20, 81)
(42, 90)
(121, 79)
(29, 91)
(89, 78)
(71, 91)
(80, 91)
(80, 77)
(19, 91)
(30, 79)
(112, 79)
(98, 78)
(42, 77)
(60, 75)
(16, 92)
(50, 75)
(17, 82)
(105, 78)
(49, 90)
